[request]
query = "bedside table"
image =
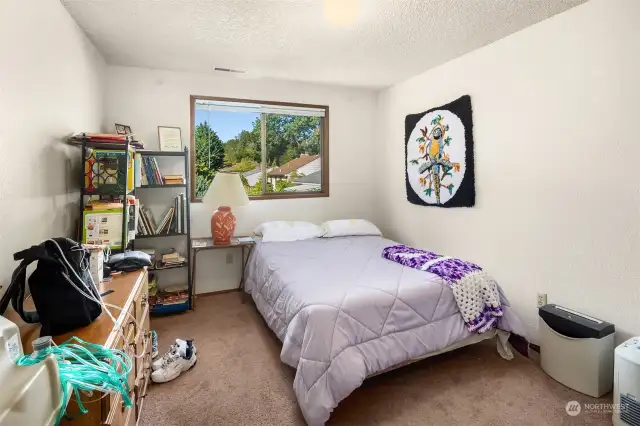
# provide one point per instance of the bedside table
(200, 244)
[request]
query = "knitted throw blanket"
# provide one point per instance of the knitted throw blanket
(475, 292)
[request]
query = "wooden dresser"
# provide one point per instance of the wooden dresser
(131, 293)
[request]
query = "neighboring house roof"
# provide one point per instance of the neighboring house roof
(251, 172)
(305, 187)
(315, 177)
(294, 164)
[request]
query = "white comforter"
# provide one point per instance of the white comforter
(344, 313)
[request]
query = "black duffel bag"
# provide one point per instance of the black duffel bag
(56, 285)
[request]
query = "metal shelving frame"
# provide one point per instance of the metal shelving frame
(86, 144)
(85, 192)
(185, 156)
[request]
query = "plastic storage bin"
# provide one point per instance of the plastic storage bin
(30, 395)
(576, 350)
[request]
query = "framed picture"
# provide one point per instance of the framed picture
(123, 129)
(170, 138)
(439, 156)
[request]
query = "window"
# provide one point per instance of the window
(280, 150)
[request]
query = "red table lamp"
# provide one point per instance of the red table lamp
(225, 191)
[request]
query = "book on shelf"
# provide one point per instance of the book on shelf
(164, 297)
(184, 211)
(164, 225)
(150, 171)
(103, 204)
(162, 301)
(176, 288)
(142, 230)
(156, 170)
(172, 256)
(175, 294)
(173, 222)
(175, 260)
(110, 138)
(132, 216)
(174, 178)
(151, 220)
(146, 221)
(178, 262)
(147, 172)
(137, 170)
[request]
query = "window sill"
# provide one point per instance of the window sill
(281, 196)
(289, 195)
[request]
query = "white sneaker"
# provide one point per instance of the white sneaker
(173, 367)
(179, 346)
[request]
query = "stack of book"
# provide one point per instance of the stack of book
(169, 299)
(173, 222)
(172, 259)
(171, 296)
(150, 171)
(108, 138)
(95, 204)
(173, 179)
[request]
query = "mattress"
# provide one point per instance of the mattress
(343, 313)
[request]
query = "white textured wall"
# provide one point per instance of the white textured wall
(51, 82)
(555, 110)
(145, 99)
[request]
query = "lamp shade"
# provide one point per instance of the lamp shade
(226, 190)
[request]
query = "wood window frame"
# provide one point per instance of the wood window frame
(324, 153)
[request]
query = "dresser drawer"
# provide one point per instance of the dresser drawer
(119, 415)
(129, 327)
(130, 350)
(143, 346)
(141, 390)
(128, 291)
(127, 345)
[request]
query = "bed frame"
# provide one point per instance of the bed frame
(503, 349)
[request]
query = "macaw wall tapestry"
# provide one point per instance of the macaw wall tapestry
(439, 156)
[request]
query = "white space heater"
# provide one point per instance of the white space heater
(626, 384)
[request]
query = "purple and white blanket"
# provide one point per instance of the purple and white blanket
(476, 292)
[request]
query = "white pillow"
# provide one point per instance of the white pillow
(343, 228)
(287, 231)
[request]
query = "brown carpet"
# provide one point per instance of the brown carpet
(240, 380)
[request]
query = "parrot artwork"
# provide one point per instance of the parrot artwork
(437, 165)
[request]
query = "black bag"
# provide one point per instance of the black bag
(60, 307)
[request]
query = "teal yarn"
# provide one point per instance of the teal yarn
(85, 366)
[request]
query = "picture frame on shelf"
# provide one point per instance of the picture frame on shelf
(123, 129)
(170, 138)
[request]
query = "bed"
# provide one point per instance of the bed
(343, 313)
